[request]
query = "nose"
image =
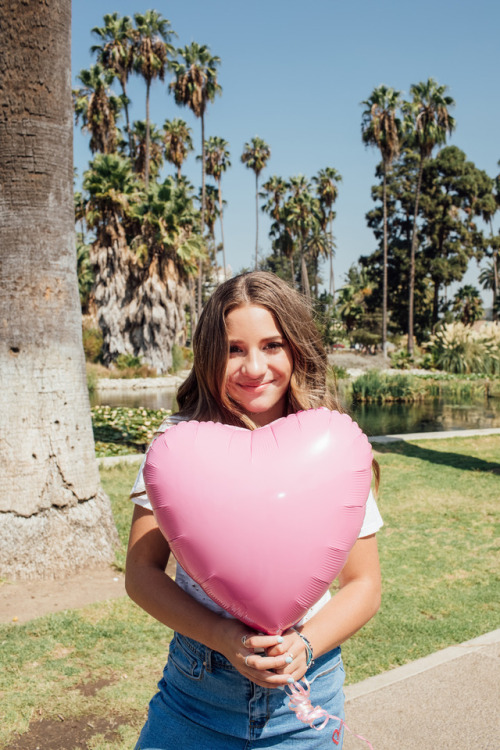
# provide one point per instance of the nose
(255, 364)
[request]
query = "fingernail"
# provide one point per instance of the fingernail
(288, 659)
(280, 639)
(290, 680)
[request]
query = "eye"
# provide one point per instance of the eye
(275, 345)
(234, 349)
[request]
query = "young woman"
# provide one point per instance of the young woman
(257, 357)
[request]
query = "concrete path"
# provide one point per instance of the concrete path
(447, 701)
(444, 434)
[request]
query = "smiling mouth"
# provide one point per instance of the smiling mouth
(254, 386)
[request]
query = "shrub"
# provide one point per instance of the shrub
(464, 349)
(92, 344)
(380, 386)
(177, 358)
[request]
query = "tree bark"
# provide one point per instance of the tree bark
(148, 139)
(384, 273)
(54, 515)
(332, 277)
(256, 221)
(222, 228)
(140, 309)
(411, 285)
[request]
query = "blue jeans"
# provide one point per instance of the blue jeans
(204, 703)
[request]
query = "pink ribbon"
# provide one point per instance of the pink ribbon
(300, 703)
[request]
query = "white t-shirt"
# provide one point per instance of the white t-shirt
(371, 524)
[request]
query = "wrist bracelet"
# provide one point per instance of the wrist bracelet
(309, 648)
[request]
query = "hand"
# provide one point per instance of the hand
(239, 645)
(294, 648)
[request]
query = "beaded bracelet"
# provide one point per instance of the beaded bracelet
(309, 649)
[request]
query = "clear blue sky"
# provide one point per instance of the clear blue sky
(295, 72)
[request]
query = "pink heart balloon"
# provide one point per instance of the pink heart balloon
(262, 520)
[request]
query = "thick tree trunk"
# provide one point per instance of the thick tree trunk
(140, 310)
(54, 517)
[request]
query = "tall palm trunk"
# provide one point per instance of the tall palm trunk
(411, 284)
(203, 198)
(148, 137)
(332, 277)
(384, 272)
(256, 220)
(55, 518)
(303, 272)
(127, 118)
(222, 226)
(494, 261)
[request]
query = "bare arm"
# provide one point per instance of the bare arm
(349, 609)
(152, 589)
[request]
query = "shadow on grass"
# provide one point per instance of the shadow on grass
(456, 460)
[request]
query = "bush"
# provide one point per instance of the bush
(177, 358)
(464, 349)
(92, 344)
(130, 366)
(380, 387)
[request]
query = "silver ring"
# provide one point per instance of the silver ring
(244, 640)
(246, 660)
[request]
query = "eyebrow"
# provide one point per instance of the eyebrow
(276, 337)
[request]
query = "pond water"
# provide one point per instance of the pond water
(432, 415)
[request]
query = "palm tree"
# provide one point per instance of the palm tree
(427, 123)
(112, 190)
(115, 53)
(255, 156)
(98, 108)
(195, 85)
(178, 143)
(55, 517)
(217, 161)
(298, 185)
(327, 191)
(274, 190)
(139, 135)
(381, 127)
(302, 214)
(467, 304)
(151, 50)
(488, 278)
(211, 215)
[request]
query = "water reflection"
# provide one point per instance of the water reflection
(434, 415)
(375, 419)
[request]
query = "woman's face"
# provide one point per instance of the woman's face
(260, 363)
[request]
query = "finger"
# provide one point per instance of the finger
(269, 679)
(261, 641)
(265, 663)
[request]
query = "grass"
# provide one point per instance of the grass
(439, 553)
(380, 387)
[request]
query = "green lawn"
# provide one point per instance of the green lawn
(96, 668)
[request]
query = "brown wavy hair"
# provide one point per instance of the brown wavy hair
(203, 395)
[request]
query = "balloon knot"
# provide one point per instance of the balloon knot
(300, 703)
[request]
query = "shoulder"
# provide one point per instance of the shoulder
(138, 494)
